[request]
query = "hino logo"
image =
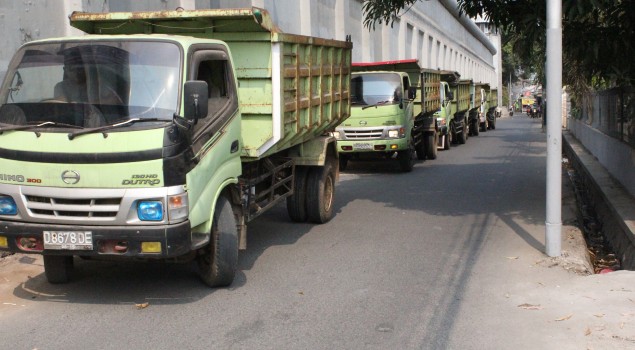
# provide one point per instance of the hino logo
(70, 177)
(362, 123)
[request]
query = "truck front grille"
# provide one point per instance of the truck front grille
(368, 134)
(76, 208)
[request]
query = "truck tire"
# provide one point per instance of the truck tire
(447, 141)
(57, 268)
(462, 136)
(430, 142)
(320, 193)
(492, 124)
(296, 203)
(407, 158)
(219, 259)
(454, 136)
(475, 127)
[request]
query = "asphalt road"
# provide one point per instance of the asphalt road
(410, 261)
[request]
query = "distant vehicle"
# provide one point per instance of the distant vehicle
(537, 110)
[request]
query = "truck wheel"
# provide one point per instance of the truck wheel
(407, 158)
(462, 136)
(320, 193)
(492, 124)
(430, 142)
(475, 127)
(447, 141)
(454, 136)
(296, 203)
(219, 259)
(58, 268)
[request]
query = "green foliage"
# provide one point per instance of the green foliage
(598, 37)
(383, 11)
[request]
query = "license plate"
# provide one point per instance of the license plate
(68, 240)
(363, 146)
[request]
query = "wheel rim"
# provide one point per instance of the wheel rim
(328, 192)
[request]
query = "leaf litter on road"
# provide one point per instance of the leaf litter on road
(530, 306)
(564, 318)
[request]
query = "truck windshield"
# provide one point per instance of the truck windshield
(375, 88)
(91, 84)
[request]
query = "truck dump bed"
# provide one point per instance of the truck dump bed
(478, 98)
(292, 88)
(431, 93)
(462, 95)
(493, 98)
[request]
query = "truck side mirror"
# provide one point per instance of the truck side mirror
(450, 96)
(195, 100)
(412, 92)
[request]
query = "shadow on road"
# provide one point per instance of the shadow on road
(476, 180)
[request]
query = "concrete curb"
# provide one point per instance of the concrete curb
(614, 205)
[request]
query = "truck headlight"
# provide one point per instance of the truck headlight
(178, 207)
(8, 206)
(397, 133)
(150, 210)
(336, 134)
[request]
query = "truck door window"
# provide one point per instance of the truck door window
(406, 86)
(213, 72)
(211, 64)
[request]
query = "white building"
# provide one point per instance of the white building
(431, 31)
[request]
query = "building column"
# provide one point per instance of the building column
(341, 19)
(305, 21)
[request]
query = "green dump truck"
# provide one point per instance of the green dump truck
(482, 113)
(161, 134)
(478, 97)
(392, 108)
(492, 109)
(452, 116)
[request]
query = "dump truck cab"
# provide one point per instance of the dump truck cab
(123, 127)
(162, 134)
(388, 115)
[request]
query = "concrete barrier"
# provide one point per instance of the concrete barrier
(613, 203)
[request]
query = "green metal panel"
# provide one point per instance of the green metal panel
(431, 92)
(461, 93)
(111, 175)
(493, 98)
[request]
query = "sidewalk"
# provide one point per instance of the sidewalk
(573, 310)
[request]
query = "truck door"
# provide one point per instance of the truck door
(212, 65)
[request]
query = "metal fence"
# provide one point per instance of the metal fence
(612, 112)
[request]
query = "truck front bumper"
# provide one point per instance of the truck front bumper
(363, 146)
(126, 241)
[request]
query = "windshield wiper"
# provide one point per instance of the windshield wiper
(101, 129)
(32, 126)
(377, 104)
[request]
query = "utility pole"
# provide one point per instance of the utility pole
(553, 224)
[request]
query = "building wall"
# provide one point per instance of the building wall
(428, 31)
(616, 156)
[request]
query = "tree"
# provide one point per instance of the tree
(598, 35)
